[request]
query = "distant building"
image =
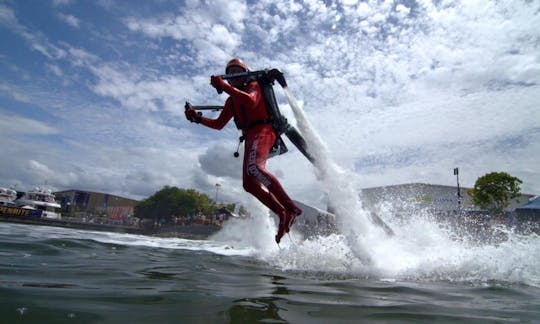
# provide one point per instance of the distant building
(420, 196)
(79, 203)
(405, 200)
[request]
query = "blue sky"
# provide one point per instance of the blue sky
(92, 92)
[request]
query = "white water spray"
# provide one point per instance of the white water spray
(255, 231)
(353, 220)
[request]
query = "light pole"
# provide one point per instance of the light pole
(217, 189)
(456, 173)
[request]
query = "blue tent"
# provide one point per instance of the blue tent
(527, 217)
(533, 205)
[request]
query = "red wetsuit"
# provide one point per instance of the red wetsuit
(249, 110)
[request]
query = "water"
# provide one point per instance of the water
(56, 275)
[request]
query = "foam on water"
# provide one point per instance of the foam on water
(45, 232)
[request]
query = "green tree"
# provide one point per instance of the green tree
(172, 201)
(494, 191)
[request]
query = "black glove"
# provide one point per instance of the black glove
(192, 115)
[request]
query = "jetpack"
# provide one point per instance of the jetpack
(266, 79)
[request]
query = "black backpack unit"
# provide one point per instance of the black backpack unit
(281, 126)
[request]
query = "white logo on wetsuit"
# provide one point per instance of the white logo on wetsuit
(252, 164)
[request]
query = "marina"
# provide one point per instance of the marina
(104, 212)
(40, 207)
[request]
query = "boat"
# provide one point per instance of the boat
(40, 199)
(7, 196)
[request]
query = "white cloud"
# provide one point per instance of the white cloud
(7, 16)
(56, 70)
(130, 171)
(402, 10)
(36, 40)
(400, 92)
(213, 28)
(81, 57)
(10, 91)
(39, 169)
(363, 10)
(16, 126)
(218, 161)
(137, 91)
(69, 19)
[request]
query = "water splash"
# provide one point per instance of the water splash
(353, 220)
(254, 232)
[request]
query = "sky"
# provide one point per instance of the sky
(92, 93)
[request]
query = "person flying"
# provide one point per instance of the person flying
(248, 108)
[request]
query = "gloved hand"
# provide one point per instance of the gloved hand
(217, 82)
(192, 115)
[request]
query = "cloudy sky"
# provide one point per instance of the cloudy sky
(92, 92)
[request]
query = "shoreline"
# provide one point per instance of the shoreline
(194, 232)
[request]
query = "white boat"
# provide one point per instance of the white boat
(41, 199)
(7, 196)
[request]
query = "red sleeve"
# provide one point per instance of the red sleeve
(249, 98)
(223, 118)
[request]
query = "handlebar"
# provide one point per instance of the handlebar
(268, 75)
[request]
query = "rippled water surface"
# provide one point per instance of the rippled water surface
(55, 275)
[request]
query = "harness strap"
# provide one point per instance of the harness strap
(256, 123)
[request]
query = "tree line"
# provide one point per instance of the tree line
(171, 202)
(492, 192)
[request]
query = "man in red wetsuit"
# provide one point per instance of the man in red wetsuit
(246, 104)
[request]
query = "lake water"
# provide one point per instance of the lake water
(421, 275)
